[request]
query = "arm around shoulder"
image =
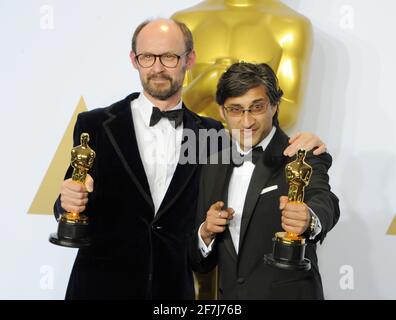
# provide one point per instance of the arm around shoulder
(319, 196)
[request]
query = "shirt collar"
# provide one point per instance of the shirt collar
(145, 107)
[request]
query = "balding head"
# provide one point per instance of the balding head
(154, 41)
(165, 29)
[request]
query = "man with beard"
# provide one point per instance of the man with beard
(142, 206)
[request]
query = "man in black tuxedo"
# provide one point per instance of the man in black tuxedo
(141, 207)
(242, 204)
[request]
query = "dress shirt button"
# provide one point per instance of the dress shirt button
(241, 280)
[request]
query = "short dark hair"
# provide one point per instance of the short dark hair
(243, 76)
(188, 38)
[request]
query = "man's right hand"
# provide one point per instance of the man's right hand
(216, 221)
(74, 196)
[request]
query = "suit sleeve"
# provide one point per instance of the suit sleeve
(319, 197)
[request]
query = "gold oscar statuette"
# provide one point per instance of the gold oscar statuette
(73, 226)
(289, 248)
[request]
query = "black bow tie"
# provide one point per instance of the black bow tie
(174, 116)
(254, 155)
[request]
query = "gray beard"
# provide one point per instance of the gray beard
(162, 94)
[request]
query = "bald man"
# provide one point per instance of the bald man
(139, 197)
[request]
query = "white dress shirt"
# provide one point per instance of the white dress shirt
(237, 190)
(159, 147)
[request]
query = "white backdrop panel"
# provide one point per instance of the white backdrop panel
(43, 73)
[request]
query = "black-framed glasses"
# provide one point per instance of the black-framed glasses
(169, 60)
(255, 109)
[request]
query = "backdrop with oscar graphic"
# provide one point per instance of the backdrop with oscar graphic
(335, 62)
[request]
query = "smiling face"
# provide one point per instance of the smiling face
(156, 38)
(249, 129)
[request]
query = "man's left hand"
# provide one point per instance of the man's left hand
(295, 216)
(306, 141)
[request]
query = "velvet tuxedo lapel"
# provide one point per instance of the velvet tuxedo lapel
(184, 171)
(121, 133)
(269, 162)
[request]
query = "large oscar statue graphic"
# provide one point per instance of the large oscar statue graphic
(289, 248)
(73, 226)
(227, 31)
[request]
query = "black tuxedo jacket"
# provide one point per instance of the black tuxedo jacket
(244, 275)
(135, 255)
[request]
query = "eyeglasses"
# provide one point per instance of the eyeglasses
(255, 109)
(169, 60)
